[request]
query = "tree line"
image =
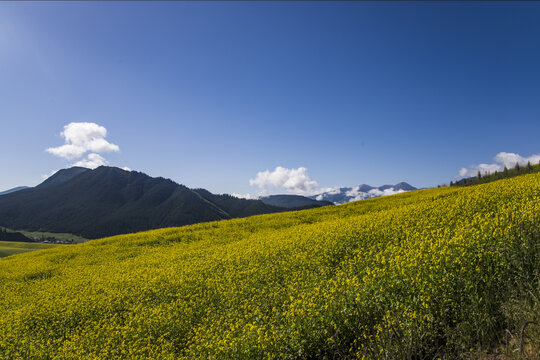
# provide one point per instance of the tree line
(497, 175)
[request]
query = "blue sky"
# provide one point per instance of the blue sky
(210, 94)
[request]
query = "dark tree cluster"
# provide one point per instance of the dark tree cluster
(6, 235)
(497, 175)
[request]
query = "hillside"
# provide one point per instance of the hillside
(438, 273)
(13, 190)
(293, 201)
(8, 248)
(236, 207)
(6, 235)
(61, 176)
(109, 201)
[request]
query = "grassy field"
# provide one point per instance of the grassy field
(37, 235)
(8, 248)
(439, 273)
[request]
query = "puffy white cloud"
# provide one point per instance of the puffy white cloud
(81, 138)
(92, 161)
(295, 181)
(510, 159)
(502, 159)
(67, 151)
(84, 138)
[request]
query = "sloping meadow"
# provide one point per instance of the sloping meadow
(415, 275)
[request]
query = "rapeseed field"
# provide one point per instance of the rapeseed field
(423, 274)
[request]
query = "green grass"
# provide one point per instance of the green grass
(8, 248)
(37, 235)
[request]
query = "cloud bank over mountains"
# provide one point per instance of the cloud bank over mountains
(356, 194)
(344, 195)
(502, 160)
(298, 182)
(84, 138)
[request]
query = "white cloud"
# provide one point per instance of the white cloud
(295, 181)
(84, 138)
(81, 138)
(331, 190)
(483, 168)
(510, 159)
(67, 151)
(355, 194)
(502, 159)
(126, 168)
(92, 161)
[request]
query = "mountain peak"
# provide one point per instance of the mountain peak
(404, 186)
(62, 176)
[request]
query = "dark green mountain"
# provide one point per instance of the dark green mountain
(109, 201)
(293, 201)
(6, 235)
(236, 207)
(13, 190)
(62, 176)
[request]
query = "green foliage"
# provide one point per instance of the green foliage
(418, 275)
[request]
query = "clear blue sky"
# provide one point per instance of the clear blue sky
(209, 94)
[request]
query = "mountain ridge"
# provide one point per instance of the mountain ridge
(61, 176)
(109, 201)
(18, 188)
(293, 201)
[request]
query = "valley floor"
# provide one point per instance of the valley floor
(8, 248)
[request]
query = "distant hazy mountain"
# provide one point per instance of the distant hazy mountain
(236, 207)
(293, 201)
(109, 201)
(361, 192)
(13, 190)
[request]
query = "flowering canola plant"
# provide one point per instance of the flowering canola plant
(399, 276)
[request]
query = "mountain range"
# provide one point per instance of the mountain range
(344, 195)
(109, 201)
(293, 201)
